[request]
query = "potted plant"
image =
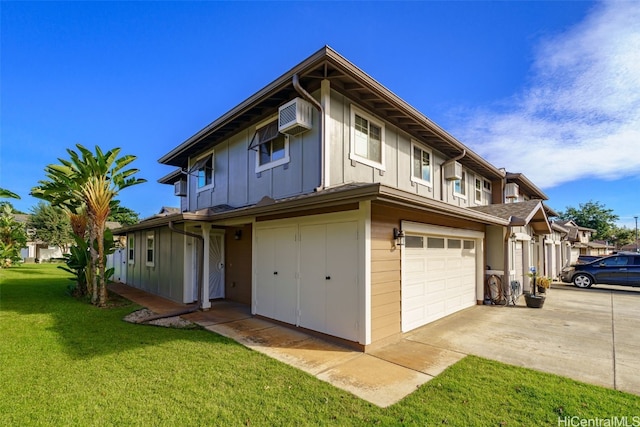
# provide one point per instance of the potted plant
(532, 299)
(543, 283)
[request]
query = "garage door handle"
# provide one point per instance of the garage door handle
(275, 272)
(328, 278)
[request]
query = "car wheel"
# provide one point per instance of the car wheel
(582, 281)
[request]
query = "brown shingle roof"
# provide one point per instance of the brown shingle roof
(531, 211)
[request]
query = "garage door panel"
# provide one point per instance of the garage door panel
(415, 290)
(312, 270)
(342, 280)
(329, 278)
(437, 281)
(415, 265)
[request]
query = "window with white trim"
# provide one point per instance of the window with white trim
(460, 186)
(367, 139)
(151, 249)
(421, 170)
(271, 146)
(131, 249)
(478, 190)
(204, 170)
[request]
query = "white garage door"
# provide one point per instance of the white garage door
(307, 275)
(438, 277)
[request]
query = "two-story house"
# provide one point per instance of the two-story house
(579, 239)
(326, 202)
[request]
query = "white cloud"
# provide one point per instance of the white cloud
(580, 115)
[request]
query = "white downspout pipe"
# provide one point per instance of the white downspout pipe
(306, 95)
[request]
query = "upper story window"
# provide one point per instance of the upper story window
(204, 169)
(460, 186)
(151, 249)
(421, 170)
(367, 139)
(131, 252)
(272, 147)
(478, 190)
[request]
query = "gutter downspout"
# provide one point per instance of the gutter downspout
(442, 165)
(506, 275)
(306, 95)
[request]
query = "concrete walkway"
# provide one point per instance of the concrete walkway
(585, 334)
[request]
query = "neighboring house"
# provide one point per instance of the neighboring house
(529, 241)
(37, 250)
(580, 240)
(326, 202)
(631, 247)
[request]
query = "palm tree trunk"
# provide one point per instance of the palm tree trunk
(102, 296)
(94, 262)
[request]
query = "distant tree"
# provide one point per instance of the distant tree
(593, 215)
(13, 209)
(51, 225)
(123, 215)
(623, 236)
(13, 237)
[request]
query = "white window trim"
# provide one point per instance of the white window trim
(150, 236)
(213, 171)
(286, 159)
(415, 179)
(131, 259)
(484, 180)
(480, 180)
(464, 178)
(352, 132)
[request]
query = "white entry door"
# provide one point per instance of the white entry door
(216, 265)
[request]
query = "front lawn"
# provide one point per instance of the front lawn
(65, 362)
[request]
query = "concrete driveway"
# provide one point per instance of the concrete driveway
(590, 335)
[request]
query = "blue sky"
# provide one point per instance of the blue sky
(549, 89)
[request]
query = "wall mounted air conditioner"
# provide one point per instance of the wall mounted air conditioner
(294, 117)
(452, 171)
(511, 190)
(180, 188)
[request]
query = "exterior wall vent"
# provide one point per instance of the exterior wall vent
(511, 190)
(180, 188)
(452, 171)
(295, 117)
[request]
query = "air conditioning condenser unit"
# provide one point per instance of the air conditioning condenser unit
(180, 188)
(295, 117)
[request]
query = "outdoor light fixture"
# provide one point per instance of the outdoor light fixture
(398, 236)
(238, 235)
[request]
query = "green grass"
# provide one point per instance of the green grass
(64, 362)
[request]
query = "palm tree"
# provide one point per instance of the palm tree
(6, 194)
(92, 181)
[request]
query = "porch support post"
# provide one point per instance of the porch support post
(206, 234)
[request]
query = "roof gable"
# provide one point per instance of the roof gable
(345, 78)
(531, 212)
